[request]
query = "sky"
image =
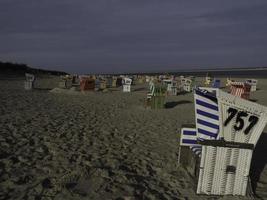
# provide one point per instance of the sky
(107, 36)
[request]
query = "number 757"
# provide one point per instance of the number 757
(239, 122)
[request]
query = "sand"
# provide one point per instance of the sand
(70, 145)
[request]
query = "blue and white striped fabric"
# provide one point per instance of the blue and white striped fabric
(207, 114)
(207, 120)
(197, 150)
(189, 138)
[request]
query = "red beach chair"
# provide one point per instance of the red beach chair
(87, 84)
(240, 89)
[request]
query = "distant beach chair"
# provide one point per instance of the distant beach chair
(156, 96)
(141, 79)
(240, 89)
(65, 82)
(146, 79)
(103, 84)
(151, 90)
(253, 84)
(174, 87)
(75, 80)
(186, 84)
(119, 81)
(171, 86)
(228, 82)
(126, 84)
(114, 81)
(109, 82)
(29, 82)
(207, 80)
(87, 83)
(216, 83)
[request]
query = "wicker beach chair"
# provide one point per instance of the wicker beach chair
(253, 84)
(65, 82)
(156, 97)
(29, 82)
(225, 163)
(103, 84)
(207, 81)
(185, 84)
(216, 83)
(126, 84)
(174, 87)
(240, 89)
(87, 83)
(228, 82)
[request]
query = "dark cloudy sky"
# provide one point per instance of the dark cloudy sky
(131, 35)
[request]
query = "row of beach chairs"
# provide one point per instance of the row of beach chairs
(85, 83)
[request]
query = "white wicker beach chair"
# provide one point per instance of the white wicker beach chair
(126, 84)
(253, 84)
(225, 163)
(29, 82)
(168, 83)
(186, 84)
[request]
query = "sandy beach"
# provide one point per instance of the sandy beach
(64, 144)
